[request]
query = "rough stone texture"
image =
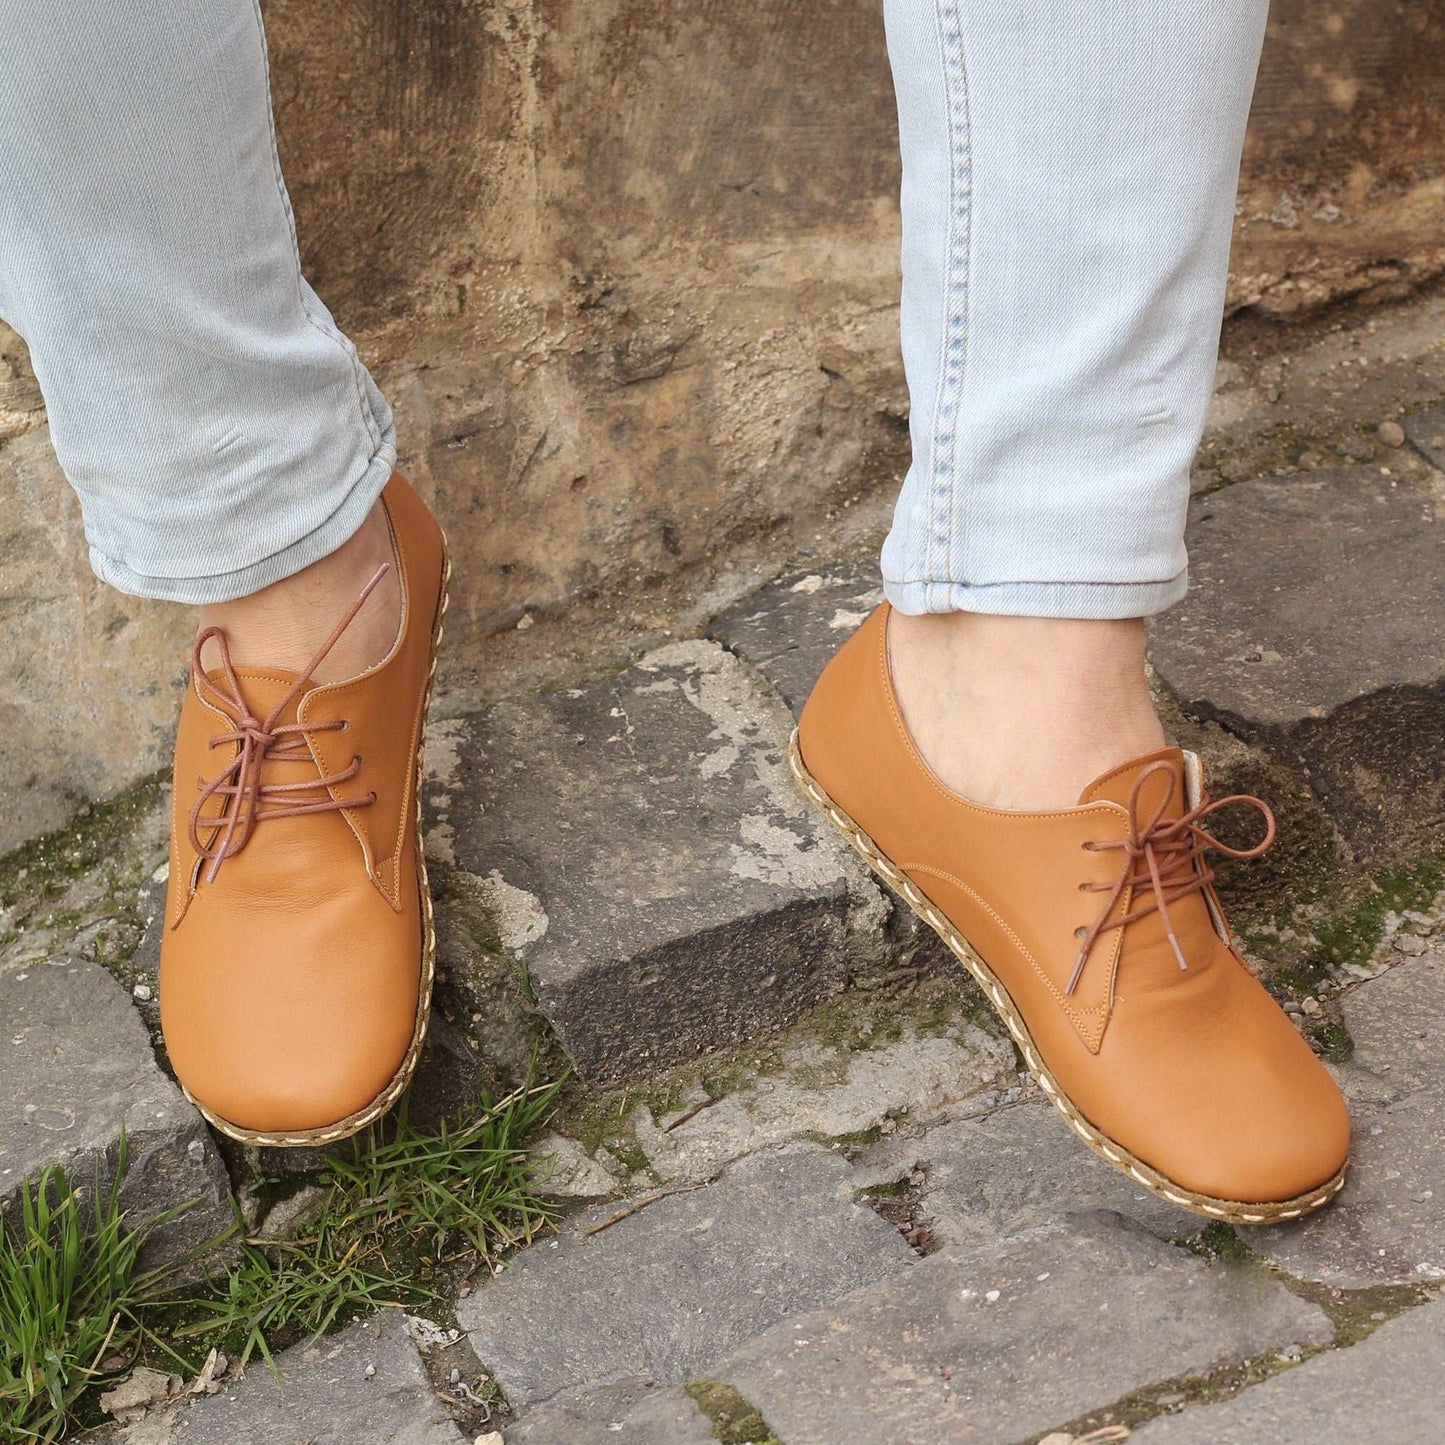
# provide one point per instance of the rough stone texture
(1011, 1170)
(668, 1290)
(828, 1093)
(1317, 395)
(997, 1343)
(1315, 624)
(1398, 1024)
(1383, 1391)
(1342, 155)
(633, 1412)
(675, 890)
(1388, 1224)
(78, 1071)
(1310, 590)
(88, 678)
(789, 630)
(568, 1172)
(1425, 431)
(323, 1396)
(632, 291)
(792, 627)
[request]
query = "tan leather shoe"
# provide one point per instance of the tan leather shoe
(1096, 933)
(297, 959)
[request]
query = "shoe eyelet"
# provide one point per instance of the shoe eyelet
(1081, 932)
(343, 726)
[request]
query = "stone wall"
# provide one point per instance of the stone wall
(627, 269)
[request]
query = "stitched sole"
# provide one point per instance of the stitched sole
(1228, 1210)
(354, 1123)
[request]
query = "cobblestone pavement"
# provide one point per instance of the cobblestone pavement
(806, 1183)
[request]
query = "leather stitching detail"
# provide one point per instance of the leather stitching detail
(389, 888)
(1089, 1020)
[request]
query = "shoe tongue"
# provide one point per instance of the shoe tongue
(1116, 785)
(1151, 955)
(262, 689)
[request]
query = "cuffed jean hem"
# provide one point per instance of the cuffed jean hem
(225, 586)
(1088, 601)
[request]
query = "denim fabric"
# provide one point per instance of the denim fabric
(219, 429)
(1069, 174)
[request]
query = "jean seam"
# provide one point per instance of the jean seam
(331, 332)
(1035, 582)
(1040, 599)
(953, 332)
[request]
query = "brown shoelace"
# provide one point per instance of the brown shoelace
(240, 783)
(1168, 855)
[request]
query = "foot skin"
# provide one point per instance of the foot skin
(1022, 712)
(283, 625)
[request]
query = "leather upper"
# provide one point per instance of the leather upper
(290, 981)
(1196, 1071)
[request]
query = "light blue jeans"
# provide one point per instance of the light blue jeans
(1069, 174)
(1069, 178)
(220, 430)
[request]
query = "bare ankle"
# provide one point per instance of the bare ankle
(285, 623)
(1023, 712)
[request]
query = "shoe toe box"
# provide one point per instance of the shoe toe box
(292, 1035)
(1237, 1107)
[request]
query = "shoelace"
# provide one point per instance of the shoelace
(1158, 853)
(261, 741)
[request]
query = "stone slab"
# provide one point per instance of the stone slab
(1397, 1022)
(1315, 623)
(1425, 431)
(1383, 1391)
(1014, 1169)
(1388, 1224)
(998, 1343)
(789, 629)
(813, 1089)
(677, 892)
(666, 1291)
(632, 1412)
(320, 1394)
(78, 1071)
(826, 1092)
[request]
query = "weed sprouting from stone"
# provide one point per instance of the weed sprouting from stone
(734, 1420)
(399, 1220)
(72, 1299)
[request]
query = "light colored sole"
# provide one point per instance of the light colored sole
(1228, 1210)
(355, 1123)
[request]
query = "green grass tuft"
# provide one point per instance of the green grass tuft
(397, 1223)
(71, 1299)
